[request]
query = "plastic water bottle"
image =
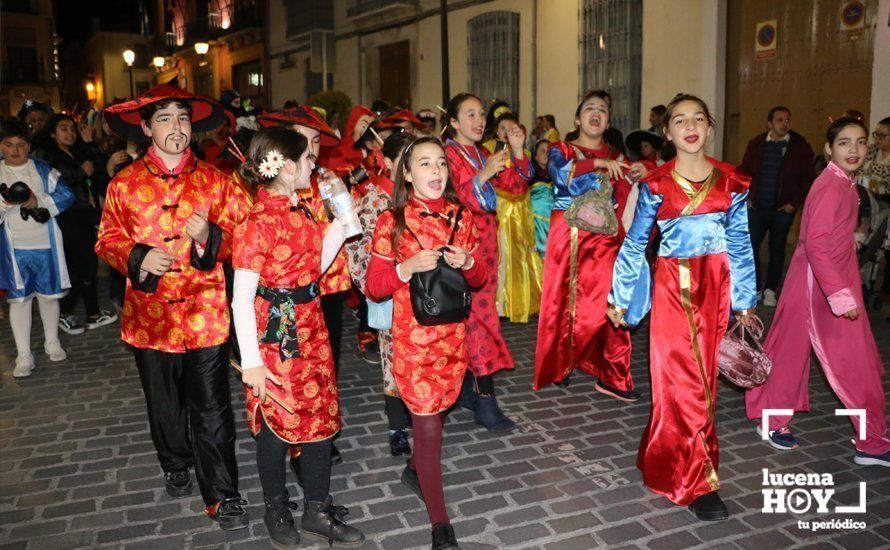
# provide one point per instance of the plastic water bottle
(338, 201)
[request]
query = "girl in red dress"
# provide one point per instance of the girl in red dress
(429, 362)
(279, 253)
(572, 328)
(475, 175)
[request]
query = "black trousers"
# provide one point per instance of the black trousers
(332, 309)
(191, 390)
(777, 223)
(79, 240)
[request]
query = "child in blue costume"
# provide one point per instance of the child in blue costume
(32, 260)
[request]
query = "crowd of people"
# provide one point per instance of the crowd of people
(240, 237)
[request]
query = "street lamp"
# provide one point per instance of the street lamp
(129, 58)
(91, 90)
(201, 48)
(158, 61)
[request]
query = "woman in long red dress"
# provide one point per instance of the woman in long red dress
(475, 175)
(279, 254)
(573, 331)
(429, 362)
(703, 273)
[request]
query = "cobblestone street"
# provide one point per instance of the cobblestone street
(78, 469)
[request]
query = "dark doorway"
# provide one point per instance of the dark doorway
(395, 73)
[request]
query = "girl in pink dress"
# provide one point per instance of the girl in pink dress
(821, 309)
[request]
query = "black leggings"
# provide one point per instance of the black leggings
(396, 412)
(315, 465)
(79, 238)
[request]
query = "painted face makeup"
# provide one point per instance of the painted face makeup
(313, 136)
(170, 129)
(428, 172)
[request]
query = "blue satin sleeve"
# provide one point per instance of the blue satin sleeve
(485, 194)
(566, 188)
(631, 280)
(741, 256)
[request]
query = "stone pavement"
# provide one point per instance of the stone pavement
(77, 466)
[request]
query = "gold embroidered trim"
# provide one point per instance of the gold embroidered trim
(573, 293)
(710, 472)
(686, 300)
(696, 197)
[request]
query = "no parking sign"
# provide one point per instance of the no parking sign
(765, 38)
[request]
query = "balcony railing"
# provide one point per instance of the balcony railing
(244, 14)
(365, 8)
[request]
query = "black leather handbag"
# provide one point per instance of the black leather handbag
(440, 296)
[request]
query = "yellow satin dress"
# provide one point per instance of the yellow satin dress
(520, 269)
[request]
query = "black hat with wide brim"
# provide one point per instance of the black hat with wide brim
(125, 121)
(635, 139)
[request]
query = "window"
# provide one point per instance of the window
(611, 55)
(308, 15)
(493, 56)
(248, 81)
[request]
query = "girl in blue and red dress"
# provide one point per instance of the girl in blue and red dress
(475, 175)
(279, 254)
(429, 362)
(704, 271)
(572, 328)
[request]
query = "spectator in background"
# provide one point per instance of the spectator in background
(548, 125)
(69, 148)
(34, 114)
(541, 195)
(781, 165)
(656, 119)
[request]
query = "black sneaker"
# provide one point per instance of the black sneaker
(229, 514)
(178, 483)
(628, 396)
(398, 443)
(709, 507)
(70, 325)
(103, 318)
(411, 481)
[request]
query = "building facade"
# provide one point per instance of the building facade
(541, 56)
(29, 55)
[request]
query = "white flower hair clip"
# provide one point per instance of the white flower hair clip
(272, 164)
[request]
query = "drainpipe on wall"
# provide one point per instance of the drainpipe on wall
(446, 77)
(534, 61)
(361, 73)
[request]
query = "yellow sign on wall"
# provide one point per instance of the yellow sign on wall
(765, 38)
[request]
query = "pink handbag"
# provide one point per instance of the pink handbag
(743, 364)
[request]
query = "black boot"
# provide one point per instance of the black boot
(468, 398)
(280, 523)
(398, 443)
(709, 507)
(443, 537)
(490, 415)
(325, 520)
(411, 481)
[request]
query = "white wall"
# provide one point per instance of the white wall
(673, 63)
(880, 76)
